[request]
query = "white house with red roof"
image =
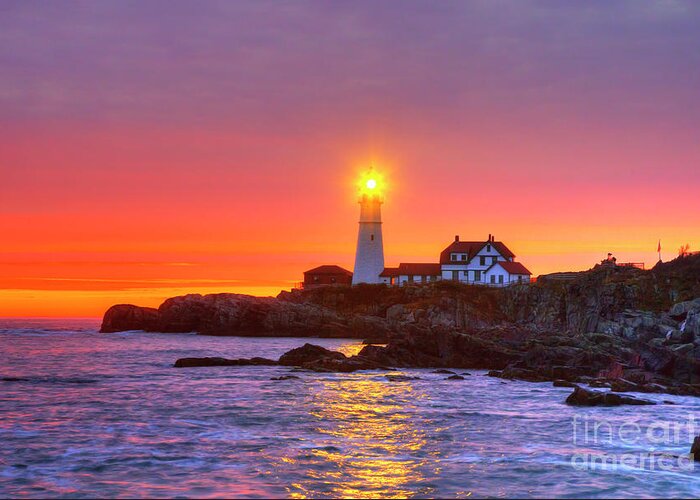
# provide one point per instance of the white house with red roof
(487, 262)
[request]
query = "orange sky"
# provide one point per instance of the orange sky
(143, 167)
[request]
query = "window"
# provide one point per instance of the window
(455, 275)
(482, 260)
(315, 279)
(463, 257)
(494, 260)
(488, 248)
(477, 275)
(410, 279)
(371, 237)
(493, 279)
(332, 279)
(520, 279)
(500, 278)
(453, 256)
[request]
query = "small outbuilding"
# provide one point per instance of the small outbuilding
(327, 275)
(414, 272)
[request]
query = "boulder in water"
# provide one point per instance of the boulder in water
(124, 317)
(695, 449)
(308, 353)
(199, 362)
(585, 397)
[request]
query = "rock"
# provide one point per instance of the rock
(680, 310)
(242, 315)
(344, 365)
(285, 377)
(691, 325)
(695, 449)
(563, 383)
(584, 397)
(308, 353)
(513, 373)
(679, 337)
(124, 317)
(444, 372)
(430, 348)
(376, 340)
(466, 374)
(455, 377)
(400, 378)
(657, 342)
(682, 349)
(398, 314)
(622, 385)
(199, 362)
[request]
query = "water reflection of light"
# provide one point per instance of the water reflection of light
(373, 446)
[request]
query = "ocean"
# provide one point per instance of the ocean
(84, 414)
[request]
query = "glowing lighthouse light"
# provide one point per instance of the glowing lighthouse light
(369, 256)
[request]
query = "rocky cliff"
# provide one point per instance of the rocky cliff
(641, 325)
(232, 314)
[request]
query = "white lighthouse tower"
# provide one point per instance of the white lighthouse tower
(369, 256)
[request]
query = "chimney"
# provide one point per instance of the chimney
(489, 237)
(456, 237)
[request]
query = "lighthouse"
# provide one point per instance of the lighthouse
(369, 256)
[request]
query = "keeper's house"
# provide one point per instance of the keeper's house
(487, 262)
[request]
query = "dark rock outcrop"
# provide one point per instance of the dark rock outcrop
(400, 378)
(285, 377)
(308, 353)
(585, 397)
(695, 449)
(124, 317)
(201, 362)
(234, 314)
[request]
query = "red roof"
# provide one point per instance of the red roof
(389, 272)
(328, 269)
(513, 267)
(412, 269)
(471, 248)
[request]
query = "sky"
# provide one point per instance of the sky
(150, 149)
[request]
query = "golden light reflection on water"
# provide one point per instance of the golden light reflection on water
(374, 447)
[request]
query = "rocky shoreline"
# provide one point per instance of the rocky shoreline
(622, 328)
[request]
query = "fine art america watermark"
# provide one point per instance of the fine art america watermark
(627, 437)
